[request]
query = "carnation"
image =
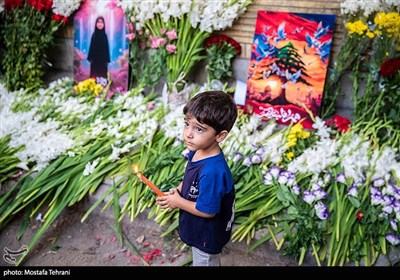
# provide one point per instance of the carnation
(389, 67)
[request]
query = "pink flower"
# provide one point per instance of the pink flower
(157, 42)
(172, 35)
(130, 36)
(171, 48)
(130, 27)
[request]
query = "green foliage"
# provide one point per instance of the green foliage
(27, 34)
(220, 58)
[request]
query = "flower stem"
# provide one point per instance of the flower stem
(316, 254)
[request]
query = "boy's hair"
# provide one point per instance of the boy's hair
(214, 108)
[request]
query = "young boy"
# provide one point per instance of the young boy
(206, 195)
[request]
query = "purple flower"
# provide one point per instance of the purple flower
(393, 224)
(315, 186)
(393, 239)
(283, 178)
(275, 170)
(397, 194)
(295, 189)
(256, 159)
(321, 210)
(341, 178)
(320, 194)
(268, 179)
(388, 200)
(178, 142)
(390, 189)
(247, 162)
(376, 199)
(261, 151)
(387, 209)
(185, 153)
(396, 206)
(238, 156)
(378, 182)
(353, 191)
(309, 197)
(374, 191)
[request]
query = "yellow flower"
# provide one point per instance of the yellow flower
(358, 27)
(295, 133)
(290, 155)
(88, 86)
(370, 34)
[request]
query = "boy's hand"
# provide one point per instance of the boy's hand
(169, 200)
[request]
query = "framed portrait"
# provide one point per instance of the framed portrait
(288, 65)
(100, 47)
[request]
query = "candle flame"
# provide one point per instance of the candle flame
(135, 168)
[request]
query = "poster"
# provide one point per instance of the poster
(100, 47)
(288, 65)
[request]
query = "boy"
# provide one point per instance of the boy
(206, 195)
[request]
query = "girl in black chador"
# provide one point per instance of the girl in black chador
(99, 54)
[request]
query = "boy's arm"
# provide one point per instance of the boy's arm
(173, 200)
(190, 206)
(179, 187)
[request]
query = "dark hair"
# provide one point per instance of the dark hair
(214, 108)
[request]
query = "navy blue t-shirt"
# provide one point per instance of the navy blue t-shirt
(209, 183)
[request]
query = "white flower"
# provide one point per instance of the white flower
(90, 167)
(321, 210)
(65, 7)
(309, 197)
(353, 191)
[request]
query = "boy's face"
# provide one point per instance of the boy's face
(198, 136)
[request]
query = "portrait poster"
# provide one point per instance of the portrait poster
(288, 65)
(100, 47)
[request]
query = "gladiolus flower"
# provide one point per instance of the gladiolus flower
(359, 215)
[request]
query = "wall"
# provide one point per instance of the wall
(243, 28)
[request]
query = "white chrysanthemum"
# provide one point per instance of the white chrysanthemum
(65, 7)
(367, 7)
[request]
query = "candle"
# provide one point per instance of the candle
(149, 184)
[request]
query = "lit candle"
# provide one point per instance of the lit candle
(148, 183)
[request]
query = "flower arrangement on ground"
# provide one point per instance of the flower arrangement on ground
(29, 29)
(332, 191)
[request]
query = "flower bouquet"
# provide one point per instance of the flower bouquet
(221, 50)
(29, 29)
(369, 25)
(193, 22)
